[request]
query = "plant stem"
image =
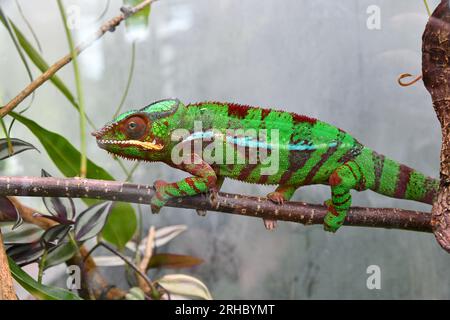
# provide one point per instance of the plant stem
(130, 78)
(130, 173)
(79, 88)
(427, 7)
(41, 266)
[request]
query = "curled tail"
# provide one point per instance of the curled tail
(399, 181)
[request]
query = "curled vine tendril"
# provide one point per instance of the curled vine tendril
(407, 75)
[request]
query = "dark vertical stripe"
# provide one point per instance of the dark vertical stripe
(245, 173)
(431, 190)
(402, 181)
(297, 159)
(378, 162)
(310, 177)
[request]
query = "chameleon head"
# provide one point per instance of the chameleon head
(141, 134)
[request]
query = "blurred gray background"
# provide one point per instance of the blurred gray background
(313, 57)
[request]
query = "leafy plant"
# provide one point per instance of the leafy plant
(71, 228)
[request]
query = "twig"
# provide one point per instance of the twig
(108, 26)
(228, 203)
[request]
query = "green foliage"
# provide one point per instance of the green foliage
(38, 290)
(138, 20)
(121, 223)
(41, 64)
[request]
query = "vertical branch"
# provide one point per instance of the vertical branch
(436, 77)
(79, 88)
(6, 284)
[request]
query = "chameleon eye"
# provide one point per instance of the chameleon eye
(135, 127)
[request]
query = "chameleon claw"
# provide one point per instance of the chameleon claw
(270, 224)
(201, 212)
(276, 197)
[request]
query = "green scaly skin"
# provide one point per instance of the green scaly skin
(310, 152)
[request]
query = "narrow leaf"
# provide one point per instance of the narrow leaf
(91, 221)
(60, 254)
(17, 145)
(26, 233)
(108, 261)
(166, 234)
(54, 235)
(121, 223)
(38, 290)
(26, 253)
(185, 285)
(8, 209)
(41, 64)
(174, 261)
(63, 208)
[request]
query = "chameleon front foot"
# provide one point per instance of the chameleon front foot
(334, 218)
(160, 197)
(277, 198)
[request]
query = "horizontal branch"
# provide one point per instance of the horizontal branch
(259, 207)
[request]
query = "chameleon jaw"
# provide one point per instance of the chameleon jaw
(126, 143)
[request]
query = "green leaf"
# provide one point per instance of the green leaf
(41, 64)
(176, 261)
(121, 223)
(138, 21)
(59, 255)
(38, 290)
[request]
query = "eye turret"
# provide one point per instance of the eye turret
(135, 127)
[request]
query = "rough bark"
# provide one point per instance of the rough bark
(7, 291)
(436, 77)
(258, 207)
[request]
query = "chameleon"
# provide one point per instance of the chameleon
(308, 152)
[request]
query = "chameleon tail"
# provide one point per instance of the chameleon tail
(399, 181)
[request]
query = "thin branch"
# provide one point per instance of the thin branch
(108, 26)
(258, 207)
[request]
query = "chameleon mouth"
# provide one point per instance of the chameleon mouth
(131, 143)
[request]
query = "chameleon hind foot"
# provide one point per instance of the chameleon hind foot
(211, 197)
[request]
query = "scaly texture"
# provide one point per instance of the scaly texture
(213, 141)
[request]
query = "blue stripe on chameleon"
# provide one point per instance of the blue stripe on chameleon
(252, 143)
